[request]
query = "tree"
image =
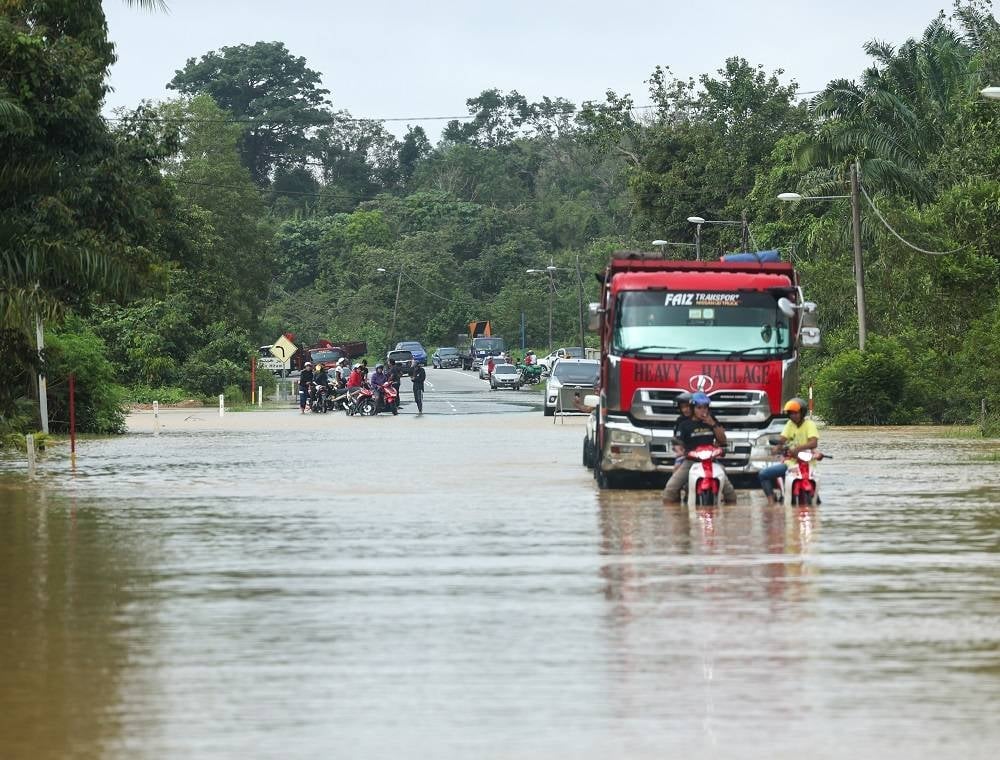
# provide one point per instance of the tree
(271, 93)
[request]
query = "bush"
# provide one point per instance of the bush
(143, 394)
(75, 349)
(235, 395)
(210, 379)
(877, 387)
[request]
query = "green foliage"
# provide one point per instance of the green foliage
(75, 349)
(269, 90)
(876, 387)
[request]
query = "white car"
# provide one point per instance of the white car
(548, 362)
(571, 380)
(505, 376)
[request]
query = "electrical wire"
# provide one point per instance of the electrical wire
(899, 237)
(428, 292)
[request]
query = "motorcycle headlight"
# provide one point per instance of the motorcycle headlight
(626, 436)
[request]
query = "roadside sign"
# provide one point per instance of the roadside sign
(283, 349)
(272, 363)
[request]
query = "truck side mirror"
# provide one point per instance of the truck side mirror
(591, 400)
(594, 312)
(786, 307)
(809, 337)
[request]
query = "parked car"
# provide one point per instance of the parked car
(415, 348)
(445, 357)
(401, 356)
(570, 381)
(505, 376)
(549, 361)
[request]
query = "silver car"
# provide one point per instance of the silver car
(570, 381)
(505, 376)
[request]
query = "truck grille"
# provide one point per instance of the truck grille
(736, 409)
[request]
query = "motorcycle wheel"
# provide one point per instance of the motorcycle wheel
(804, 499)
(366, 408)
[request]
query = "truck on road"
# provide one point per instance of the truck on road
(732, 329)
(479, 344)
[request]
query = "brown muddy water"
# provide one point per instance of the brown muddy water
(454, 586)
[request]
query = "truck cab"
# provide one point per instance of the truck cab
(732, 330)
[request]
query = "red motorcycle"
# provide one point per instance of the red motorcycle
(390, 399)
(706, 478)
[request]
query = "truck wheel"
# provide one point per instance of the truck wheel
(609, 480)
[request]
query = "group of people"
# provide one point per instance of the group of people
(697, 427)
(357, 378)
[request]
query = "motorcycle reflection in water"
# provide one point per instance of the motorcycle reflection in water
(682, 582)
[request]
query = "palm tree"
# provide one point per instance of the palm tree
(897, 117)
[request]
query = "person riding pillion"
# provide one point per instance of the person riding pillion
(701, 429)
(378, 379)
(799, 434)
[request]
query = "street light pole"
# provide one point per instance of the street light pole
(395, 307)
(859, 266)
(579, 277)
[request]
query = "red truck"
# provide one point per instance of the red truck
(732, 329)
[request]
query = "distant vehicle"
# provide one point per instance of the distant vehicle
(480, 349)
(505, 376)
(401, 356)
(446, 356)
(570, 381)
(327, 352)
(419, 353)
(574, 352)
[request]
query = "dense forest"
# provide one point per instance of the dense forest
(160, 247)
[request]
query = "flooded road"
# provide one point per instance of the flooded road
(281, 585)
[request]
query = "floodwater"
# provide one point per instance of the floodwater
(273, 585)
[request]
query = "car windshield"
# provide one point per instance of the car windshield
(401, 355)
(447, 352)
(489, 344)
(504, 369)
(575, 353)
(579, 373)
(663, 323)
(324, 356)
(412, 345)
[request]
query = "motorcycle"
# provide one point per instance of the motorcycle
(319, 398)
(530, 373)
(706, 478)
(389, 400)
(799, 486)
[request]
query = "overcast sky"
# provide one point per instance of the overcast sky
(418, 59)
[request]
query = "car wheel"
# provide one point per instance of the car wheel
(548, 411)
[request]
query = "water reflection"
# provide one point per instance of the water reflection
(67, 609)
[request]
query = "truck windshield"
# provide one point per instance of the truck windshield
(488, 344)
(658, 322)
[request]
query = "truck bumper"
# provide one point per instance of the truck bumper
(630, 448)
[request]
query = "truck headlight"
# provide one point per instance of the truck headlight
(762, 407)
(627, 436)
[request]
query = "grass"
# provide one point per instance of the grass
(967, 432)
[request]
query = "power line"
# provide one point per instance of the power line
(900, 237)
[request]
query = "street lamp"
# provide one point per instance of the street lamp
(395, 308)
(990, 93)
(664, 243)
(698, 221)
(859, 270)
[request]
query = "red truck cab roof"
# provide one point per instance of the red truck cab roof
(655, 273)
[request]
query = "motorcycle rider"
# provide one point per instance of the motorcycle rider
(396, 373)
(701, 429)
(305, 377)
(321, 380)
(800, 433)
(378, 379)
(683, 401)
(340, 372)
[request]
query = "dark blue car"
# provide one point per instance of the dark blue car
(414, 348)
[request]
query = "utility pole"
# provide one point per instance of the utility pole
(745, 233)
(859, 269)
(579, 277)
(552, 292)
(43, 392)
(395, 308)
